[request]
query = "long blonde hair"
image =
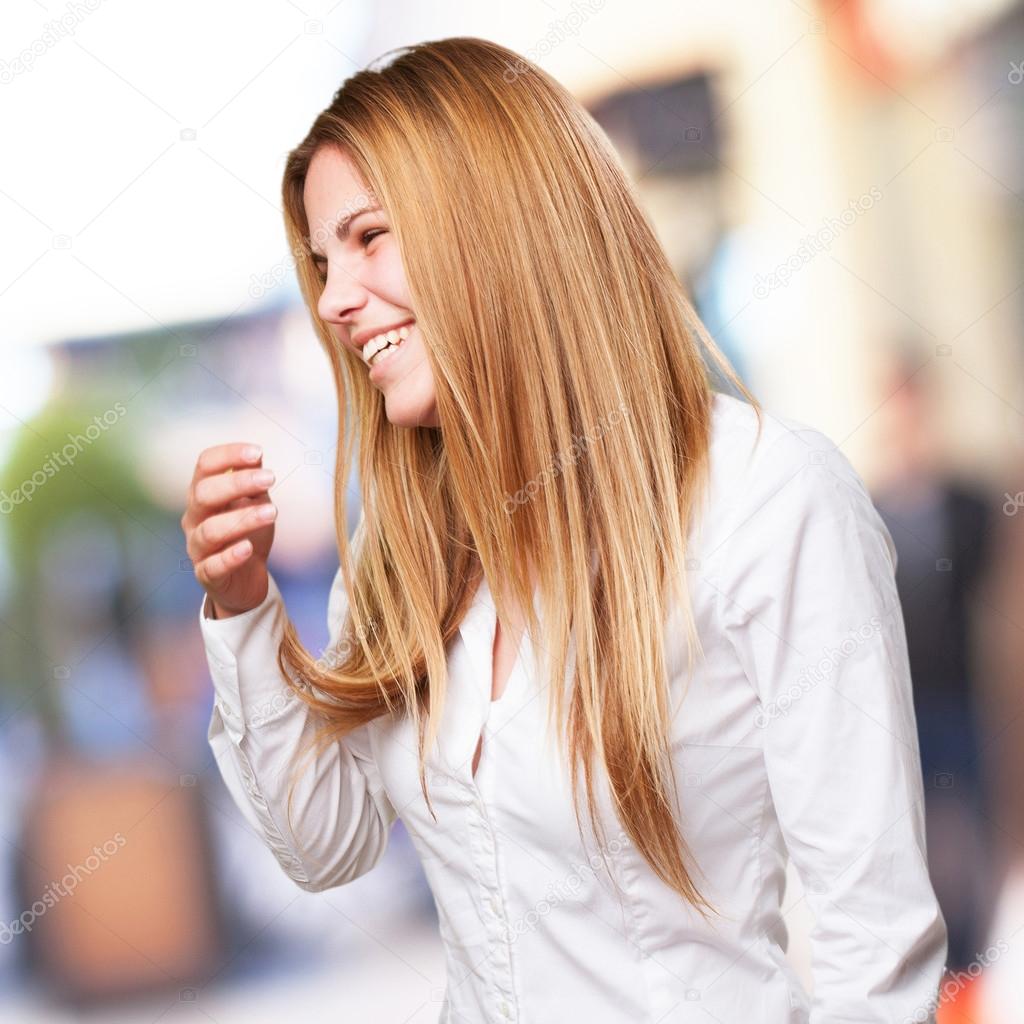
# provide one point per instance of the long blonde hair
(575, 413)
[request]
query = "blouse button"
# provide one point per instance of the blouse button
(504, 1010)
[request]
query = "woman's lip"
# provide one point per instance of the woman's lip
(361, 340)
(380, 368)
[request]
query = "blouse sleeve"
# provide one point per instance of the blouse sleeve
(259, 729)
(809, 604)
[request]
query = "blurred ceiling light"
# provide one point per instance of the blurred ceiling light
(917, 31)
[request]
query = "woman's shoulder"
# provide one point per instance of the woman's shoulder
(739, 437)
(743, 447)
(780, 472)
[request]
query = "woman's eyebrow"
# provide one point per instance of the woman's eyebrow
(344, 227)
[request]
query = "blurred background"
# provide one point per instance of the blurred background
(840, 186)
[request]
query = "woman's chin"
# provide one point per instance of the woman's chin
(406, 414)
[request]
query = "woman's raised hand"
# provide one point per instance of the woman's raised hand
(229, 526)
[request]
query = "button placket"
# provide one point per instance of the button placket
(486, 853)
(478, 638)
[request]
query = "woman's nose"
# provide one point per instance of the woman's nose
(342, 294)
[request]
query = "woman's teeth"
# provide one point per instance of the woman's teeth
(385, 353)
(385, 345)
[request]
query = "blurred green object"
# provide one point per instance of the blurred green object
(72, 464)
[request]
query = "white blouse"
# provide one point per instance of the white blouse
(794, 738)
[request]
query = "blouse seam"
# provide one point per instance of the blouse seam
(277, 838)
(766, 803)
(724, 562)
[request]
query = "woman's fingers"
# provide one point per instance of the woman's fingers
(210, 571)
(228, 524)
(221, 457)
(217, 532)
(223, 473)
(214, 493)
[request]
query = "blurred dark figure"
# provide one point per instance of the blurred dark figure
(940, 526)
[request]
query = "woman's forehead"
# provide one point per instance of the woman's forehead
(331, 175)
(334, 193)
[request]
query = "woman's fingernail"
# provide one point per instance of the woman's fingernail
(252, 452)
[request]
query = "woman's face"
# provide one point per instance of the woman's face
(365, 292)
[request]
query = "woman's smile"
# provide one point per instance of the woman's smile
(384, 364)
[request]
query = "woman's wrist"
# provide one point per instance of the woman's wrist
(215, 611)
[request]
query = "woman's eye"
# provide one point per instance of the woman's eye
(320, 262)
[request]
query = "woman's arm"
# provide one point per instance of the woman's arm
(809, 603)
(258, 728)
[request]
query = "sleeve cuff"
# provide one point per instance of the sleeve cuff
(242, 655)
